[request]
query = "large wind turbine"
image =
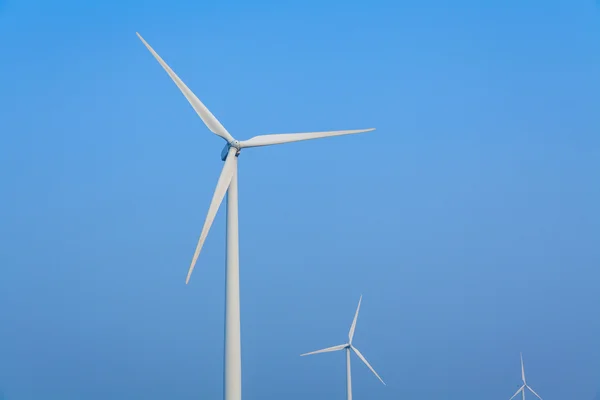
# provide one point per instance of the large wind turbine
(348, 346)
(227, 183)
(525, 385)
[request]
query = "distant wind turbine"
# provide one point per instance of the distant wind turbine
(228, 183)
(348, 346)
(525, 385)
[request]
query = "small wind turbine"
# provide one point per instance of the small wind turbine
(227, 183)
(348, 346)
(525, 385)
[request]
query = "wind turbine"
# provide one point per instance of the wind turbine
(228, 183)
(348, 346)
(525, 385)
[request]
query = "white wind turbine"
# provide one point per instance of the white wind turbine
(525, 385)
(348, 346)
(227, 183)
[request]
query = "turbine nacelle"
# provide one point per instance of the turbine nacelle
(235, 144)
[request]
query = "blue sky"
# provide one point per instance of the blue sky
(469, 219)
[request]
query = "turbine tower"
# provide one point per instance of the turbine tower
(525, 385)
(228, 183)
(348, 346)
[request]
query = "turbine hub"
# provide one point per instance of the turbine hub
(236, 144)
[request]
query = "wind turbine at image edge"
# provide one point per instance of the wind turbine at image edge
(348, 346)
(525, 385)
(227, 183)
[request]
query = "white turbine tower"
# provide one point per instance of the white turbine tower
(227, 183)
(348, 346)
(525, 385)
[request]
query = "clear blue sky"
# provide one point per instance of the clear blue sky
(470, 220)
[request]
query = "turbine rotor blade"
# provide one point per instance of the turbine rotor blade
(518, 391)
(222, 186)
(327, 350)
(523, 371)
(267, 140)
(533, 391)
(209, 120)
(353, 327)
(358, 353)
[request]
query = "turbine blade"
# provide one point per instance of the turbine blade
(222, 186)
(327, 350)
(366, 362)
(523, 370)
(353, 327)
(518, 391)
(267, 140)
(533, 391)
(211, 122)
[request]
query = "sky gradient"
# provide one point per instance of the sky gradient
(469, 220)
